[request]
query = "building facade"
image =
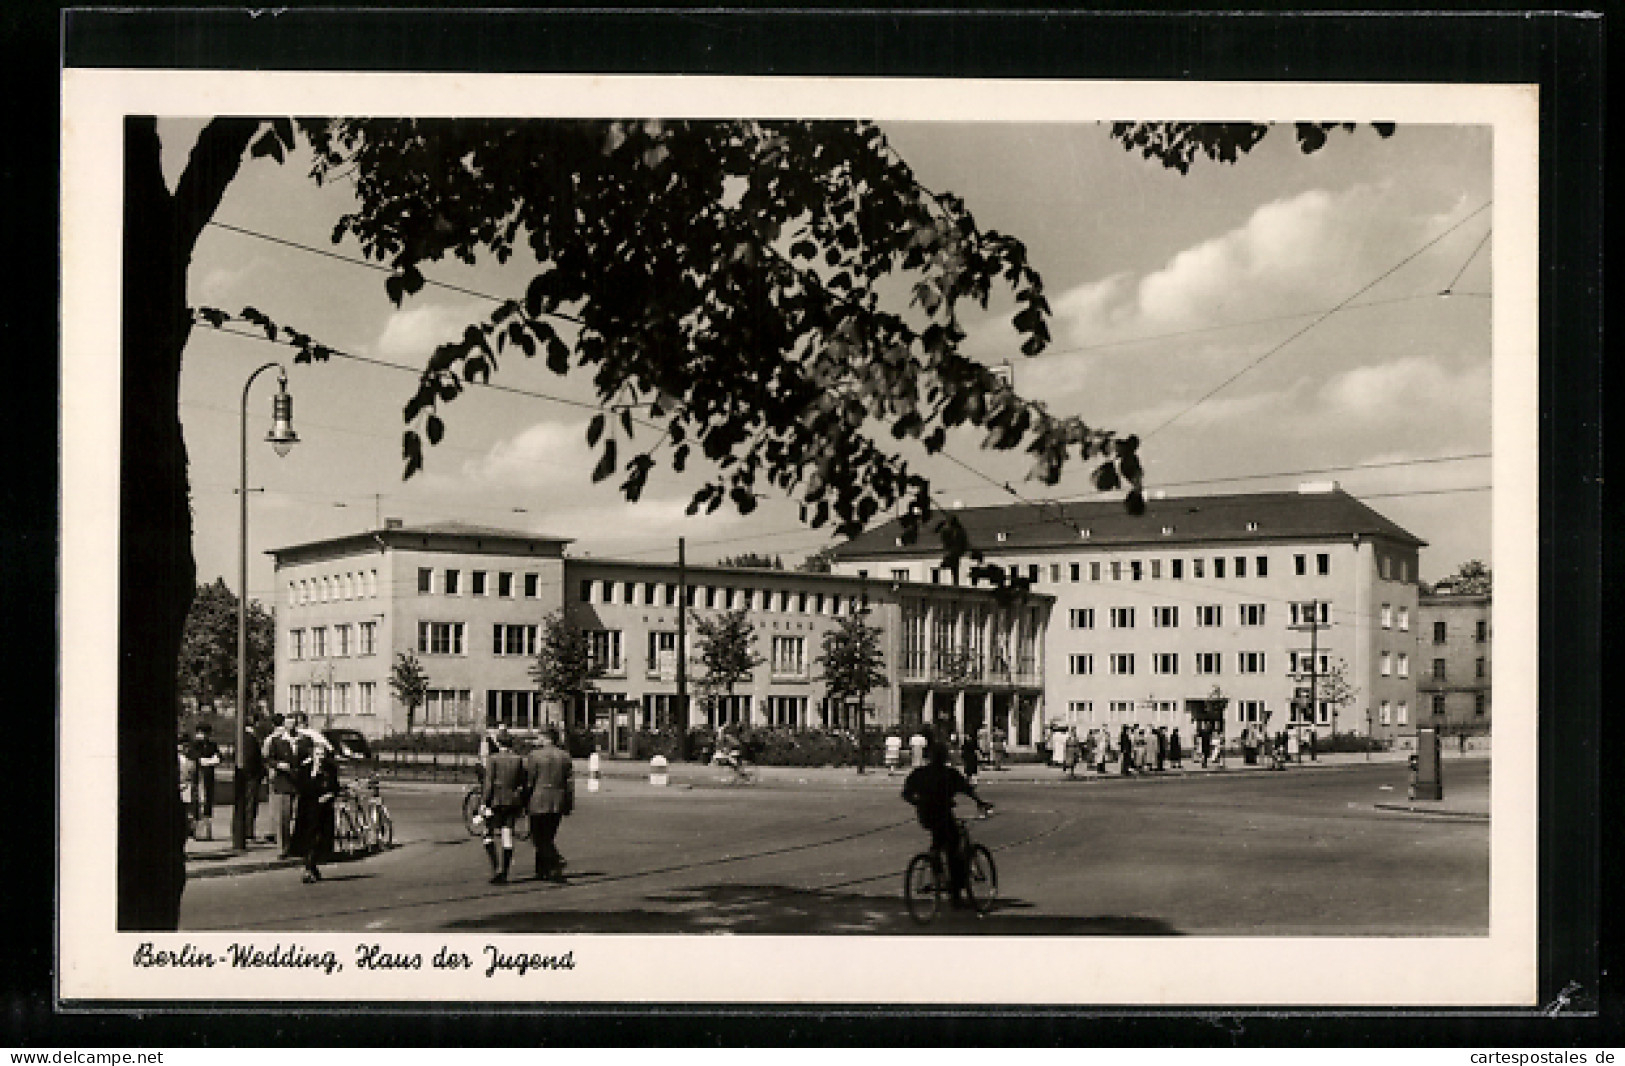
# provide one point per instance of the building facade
(1249, 599)
(469, 603)
(1455, 639)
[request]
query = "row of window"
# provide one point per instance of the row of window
(340, 697)
(1082, 712)
(358, 639)
(351, 585)
(1082, 664)
(1441, 672)
(1138, 569)
(664, 594)
(1480, 704)
(502, 583)
(1390, 665)
(788, 656)
(1388, 615)
(1481, 632)
(1206, 615)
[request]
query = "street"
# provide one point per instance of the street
(1305, 852)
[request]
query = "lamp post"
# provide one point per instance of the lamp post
(281, 438)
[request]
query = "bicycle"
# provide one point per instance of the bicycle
(361, 822)
(473, 800)
(926, 880)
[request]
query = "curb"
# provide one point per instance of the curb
(205, 867)
(1406, 808)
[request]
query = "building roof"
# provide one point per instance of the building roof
(439, 536)
(702, 573)
(1303, 515)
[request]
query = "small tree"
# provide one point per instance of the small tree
(853, 665)
(725, 647)
(207, 668)
(564, 669)
(1335, 688)
(752, 561)
(410, 684)
(1471, 578)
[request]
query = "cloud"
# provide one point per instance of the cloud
(218, 283)
(1407, 389)
(412, 333)
(544, 455)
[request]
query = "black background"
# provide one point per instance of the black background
(1561, 53)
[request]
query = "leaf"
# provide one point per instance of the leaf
(595, 429)
(412, 452)
(435, 429)
(626, 420)
(606, 464)
(558, 356)
(1106, 477)
(679, 458)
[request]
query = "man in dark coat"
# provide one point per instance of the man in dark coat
(253, 763)
(503, 800)
(550, 777)
(931, 790)
(279, 763)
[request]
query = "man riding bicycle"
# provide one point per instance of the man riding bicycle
(931, 789)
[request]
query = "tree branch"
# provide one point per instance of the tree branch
(210, 169)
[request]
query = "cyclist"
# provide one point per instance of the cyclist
(931, 789)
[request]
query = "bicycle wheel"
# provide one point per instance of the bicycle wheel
(471, 807)
(984, 879)
(385, 826)
(346, 834)
(921, 889)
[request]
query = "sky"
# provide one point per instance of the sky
(1258, 325)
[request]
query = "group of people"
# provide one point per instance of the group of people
(1135, 749)
(540, 786)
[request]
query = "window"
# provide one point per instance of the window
(1261, 566)
(1076, 571)
(341, 698)
(728, 599)
(787, 710)
(1196, 569)
(1122, 663)
(936, 575)
(728, 710)
(318, 642)
(1117, 570)
(1081, 709)
(1156, 569)
(1250, 711)
(1438, 632)
(629, 593)
(1252, 614)
(604, 650)
(1479, 703)
(366, 697)
(651, 593)
(293, 594)
(1323, 564)
(1404, 665)
(1134, 569)
(1481, 631)
(789, 656)
(505, 585)
(1478, 668)
(1387, 616)
(1032, 573)
(1385, 664)
(296, 643)
(1438, 704)
(1250, 662)
(1387, 713)
(1054, 573)
(1438, 670)
(1165, 663)
(341, 641)
(533, 585)
(513, 639)
(1083, 618)
(1208, 662)
(1121, 709)
(1081, 665)
(1300, 565)
(367, 638)
(1404, 712)
(296, 699)
(1218, 566)
(440, 638)
(1176, 569)
(747, 599)
(425, 579)
(1122, 618)
(1094, 571)
(710, 596)
(1303, 663)
(1405, 619)
(900, 574)
(448, 706)
(1313, 613)
(1241, 566)
(663, 653)
(476, 583)
(1165, 617)
(1387, 568)
(452, 581)
(1209, 614)
(671, 595)
(607, 592)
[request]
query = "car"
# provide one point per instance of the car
(349, 745)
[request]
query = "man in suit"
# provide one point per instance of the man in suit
(279, 761)
(503, 800)
(552, 796)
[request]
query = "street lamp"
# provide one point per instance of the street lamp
(281, 438)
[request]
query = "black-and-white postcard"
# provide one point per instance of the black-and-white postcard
(770, 540)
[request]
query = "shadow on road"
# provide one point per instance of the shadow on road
(780, 911)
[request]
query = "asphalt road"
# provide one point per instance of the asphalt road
(1300, 853)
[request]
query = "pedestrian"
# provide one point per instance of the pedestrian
(205, 754)
(998, 749)
(1142, 750)
(317, 780)
(501, 801)
(1294, 751)
(1160, 738)
(278, 753)
(969, 753)
(916, 748)
(1071, 745)
(549, 777)
(252, 767)
(1125, 750)
(188, 777)
(1176, 752)
(1314, 742)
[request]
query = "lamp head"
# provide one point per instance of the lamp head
(281, 438)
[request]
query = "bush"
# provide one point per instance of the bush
(463, 742)
(1347, 742)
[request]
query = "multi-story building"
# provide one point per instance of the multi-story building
(469, 602)
(1453, 634)
(1241, 597)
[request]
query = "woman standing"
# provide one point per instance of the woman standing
(1125, 750)
(1176, 752)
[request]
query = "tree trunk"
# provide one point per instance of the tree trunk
(157, 576)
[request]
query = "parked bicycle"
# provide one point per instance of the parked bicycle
(926, 883)
(361, 822)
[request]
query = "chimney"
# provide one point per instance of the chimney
(1306, 488)
(393, 523)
